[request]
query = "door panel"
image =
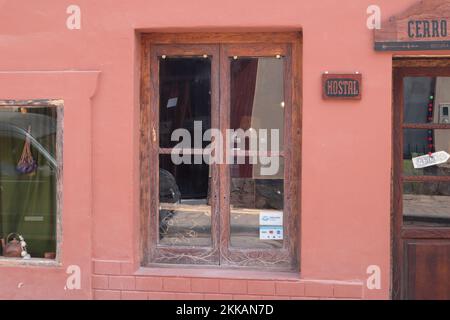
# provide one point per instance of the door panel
(427, 270)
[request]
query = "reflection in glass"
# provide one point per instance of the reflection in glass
(426, 203)
(185, 209)
(257, 96)
(28, 174)
(426, 100)
(257, 104)
(417, 98)
(253, 195)
(419, 142)
(185, 96)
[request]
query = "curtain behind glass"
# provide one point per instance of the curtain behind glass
(28, 201)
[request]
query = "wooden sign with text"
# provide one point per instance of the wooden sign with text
(424, 26)
(341, 86)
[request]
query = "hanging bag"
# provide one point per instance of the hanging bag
(27, 164)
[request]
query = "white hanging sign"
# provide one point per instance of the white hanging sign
(172, 102)
(430, 160)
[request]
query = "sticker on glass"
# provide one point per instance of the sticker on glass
(271, 218)
(270, 233)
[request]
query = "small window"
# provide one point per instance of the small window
(29, 179)
(221, 137)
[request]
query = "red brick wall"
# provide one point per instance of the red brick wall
(117, 280)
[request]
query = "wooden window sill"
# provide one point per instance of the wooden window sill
(36, 262)
(215, 272)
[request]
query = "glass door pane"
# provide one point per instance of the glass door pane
(257, 170)
(426, 149)
(184, 176)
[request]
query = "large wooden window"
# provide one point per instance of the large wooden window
(226, 92)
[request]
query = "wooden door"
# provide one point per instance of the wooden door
(421, 208)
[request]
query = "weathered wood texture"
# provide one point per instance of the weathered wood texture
(423, 26)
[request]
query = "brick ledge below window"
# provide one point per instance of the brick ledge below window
(113, 279)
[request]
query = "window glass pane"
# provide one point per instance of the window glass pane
(28, 178)
(257, 107)
(257, 202)
(426, 100)
(418, 144)
(184, 199)
(257, 98)
(185, 96)
(426, 203)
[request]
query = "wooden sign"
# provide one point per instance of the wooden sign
(424, 26)
(341, 86)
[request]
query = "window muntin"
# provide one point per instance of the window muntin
(29, 177)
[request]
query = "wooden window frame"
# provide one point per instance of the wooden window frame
(401, 234)
(220, 46)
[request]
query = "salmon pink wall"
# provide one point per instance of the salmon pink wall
(345, 218)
